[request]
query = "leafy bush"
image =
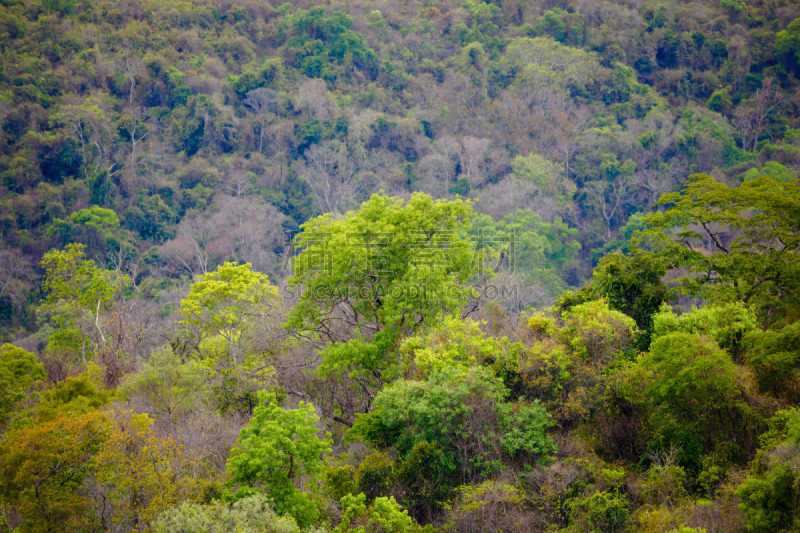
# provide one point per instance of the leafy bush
(465, 413)
(253, 514)
(275, 448)
(771, 496)
(374, 476)
(774, 357)
(489, 507)
(18, 371)
(385, 514)
(727, 324)
(601, 511)
(698, 395)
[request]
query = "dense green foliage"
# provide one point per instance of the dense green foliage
(372, 266)
(758, 264)
(278, 446)
(465, 414)
(382, 272)
(19, 370)
(609, 411)
(249, 515)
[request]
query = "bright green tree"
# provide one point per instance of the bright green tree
(18, 371)
(726, 324)
(277, 447)
(566, 359)
(596, 333)
(771, 496)
(78, 290)
(772, 169)
(384, 514)
(541, 253)
(236, 304)
(103, 220)
(632, 284)
(602, 512)
(737, 243)
(698, 397)
(787, 43)
(380, 273)
(774, 357)
(455, 343)
(463, 411)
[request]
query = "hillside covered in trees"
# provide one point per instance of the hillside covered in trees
(372, 266)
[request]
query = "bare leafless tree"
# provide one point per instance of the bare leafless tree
(238, 183)
(312, 97)
(187, 253)
(450, 149)
(263, 101)
(434, 170)
(131, 66)
(147, 152)
(242, 229)
(609, 195)
(331, 174)
(473, 157)
(16, 274)
(751, 116)
(89, 120)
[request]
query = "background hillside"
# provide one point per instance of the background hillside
(198, 122)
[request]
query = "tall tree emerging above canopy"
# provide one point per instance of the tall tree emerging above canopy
(379, 273)
(77, 291)
(235, 303)
(738, 243)
(390, 264)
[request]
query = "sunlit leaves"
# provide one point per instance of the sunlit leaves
(77, 291)
(275, 448)
(738, 243)
(235, 303)
(18, 371)
(378, 273)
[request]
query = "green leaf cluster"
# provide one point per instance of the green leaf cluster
(277, 447)
(19, 371)
(463, 411)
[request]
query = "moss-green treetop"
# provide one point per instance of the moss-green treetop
(738, 243)
(389, 263)
(380, 273)
(233, 302)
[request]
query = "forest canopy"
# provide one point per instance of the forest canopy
(372, 266)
